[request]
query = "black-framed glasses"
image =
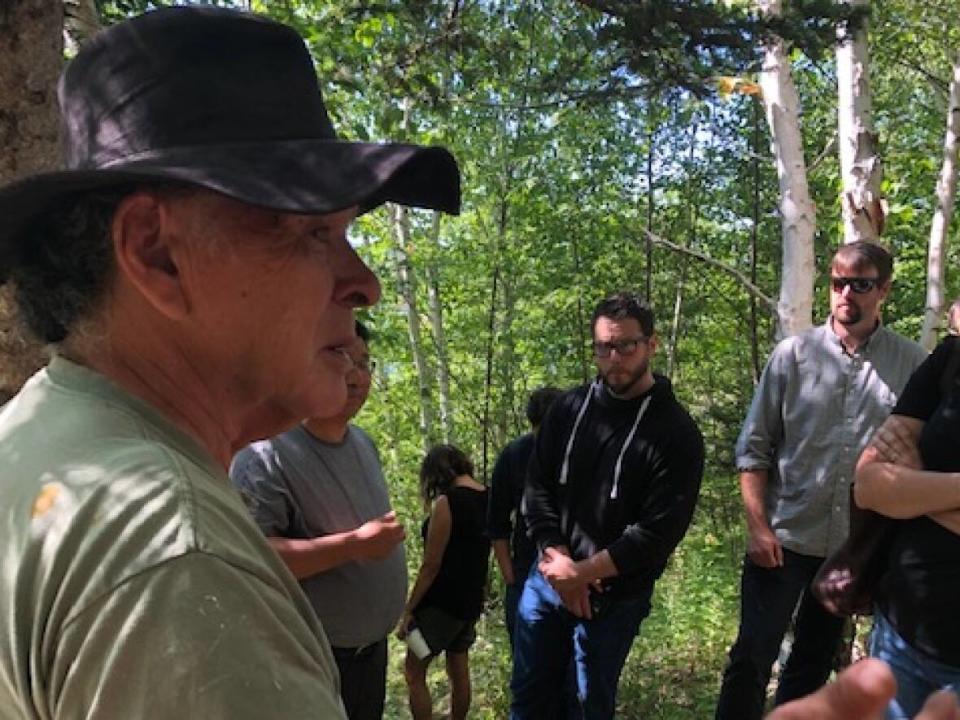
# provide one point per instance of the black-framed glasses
(860, 285)
(623, 347)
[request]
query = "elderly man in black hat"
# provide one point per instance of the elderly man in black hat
(191, 268)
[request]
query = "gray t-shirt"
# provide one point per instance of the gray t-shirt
(813, 413)
(134, 583)
(297, 486)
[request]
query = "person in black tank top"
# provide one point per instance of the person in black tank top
(911, 471)
(447, 597)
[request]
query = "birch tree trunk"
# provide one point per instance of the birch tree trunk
(439, 337)
(946, 194)
(860, 166)
(400, 223)
(797, 211)
(31, 56)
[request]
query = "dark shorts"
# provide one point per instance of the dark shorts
(444, 632)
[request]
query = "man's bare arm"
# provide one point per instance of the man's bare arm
(373, 540)
(763, 548)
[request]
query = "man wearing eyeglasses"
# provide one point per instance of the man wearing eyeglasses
(820, 399)
(611, 488)
(318, 494)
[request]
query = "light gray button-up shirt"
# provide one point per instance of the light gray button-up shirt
(814, 411)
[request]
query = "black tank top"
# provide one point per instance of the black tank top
(459, 586)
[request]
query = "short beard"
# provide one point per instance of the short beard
(624, 388)
(854, 316)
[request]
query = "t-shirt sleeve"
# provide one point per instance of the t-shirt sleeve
(194, 637)
(921, 395)
(256, 474)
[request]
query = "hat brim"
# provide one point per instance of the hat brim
(299, 176)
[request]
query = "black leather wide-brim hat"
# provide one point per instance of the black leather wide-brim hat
(221, 99)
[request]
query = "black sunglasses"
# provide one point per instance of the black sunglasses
(859, 285)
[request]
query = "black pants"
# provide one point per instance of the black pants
(363, 680)
(768, 597)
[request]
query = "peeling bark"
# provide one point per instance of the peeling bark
(860, 166)
(797, 211)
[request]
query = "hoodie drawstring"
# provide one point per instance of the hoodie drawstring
(633, 431)
(565, 467)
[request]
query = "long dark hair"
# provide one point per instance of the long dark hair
(442, 465)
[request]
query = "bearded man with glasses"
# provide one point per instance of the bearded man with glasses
(611, 488)
(820, 399)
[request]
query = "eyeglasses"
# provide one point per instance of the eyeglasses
(623, 347)
(860, 285)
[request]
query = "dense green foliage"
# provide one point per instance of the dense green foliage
(572, 142)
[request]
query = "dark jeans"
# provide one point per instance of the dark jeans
(363, 680)
(548, 637)
(511, 599)
(768, 597)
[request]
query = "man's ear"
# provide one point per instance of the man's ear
(141, 233)
(652, 342)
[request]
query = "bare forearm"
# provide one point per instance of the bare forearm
(753, 488)
(501, 551)
(306, 557)
(902, 492)
(425, 578)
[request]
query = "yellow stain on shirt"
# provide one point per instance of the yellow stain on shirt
(46, 498)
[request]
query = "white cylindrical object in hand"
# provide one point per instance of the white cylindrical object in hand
(418, 644)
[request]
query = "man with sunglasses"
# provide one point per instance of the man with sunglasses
(820, 399)
(318, 494)
(611, 488)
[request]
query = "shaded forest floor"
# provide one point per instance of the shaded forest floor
(673, 670)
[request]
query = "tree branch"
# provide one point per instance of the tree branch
(765, 299)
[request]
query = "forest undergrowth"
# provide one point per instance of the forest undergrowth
(673, 670)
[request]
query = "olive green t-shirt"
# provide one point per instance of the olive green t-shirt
(133, 582)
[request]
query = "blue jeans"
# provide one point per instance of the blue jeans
(511, 600)
(546, 635)
(768, 597)
(917, 674)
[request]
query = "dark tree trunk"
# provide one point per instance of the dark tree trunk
(31, 56)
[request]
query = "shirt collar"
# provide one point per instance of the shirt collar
(878, 331)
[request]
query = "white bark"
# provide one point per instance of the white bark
(408, 289)
(946, 194)
(439, 337)
(860, 166)
(797, 211)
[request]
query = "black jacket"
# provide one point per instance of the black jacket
(638, 514)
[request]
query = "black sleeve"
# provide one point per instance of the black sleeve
(541, 506)
(500, 505)
(666, 511)
(922, 394)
